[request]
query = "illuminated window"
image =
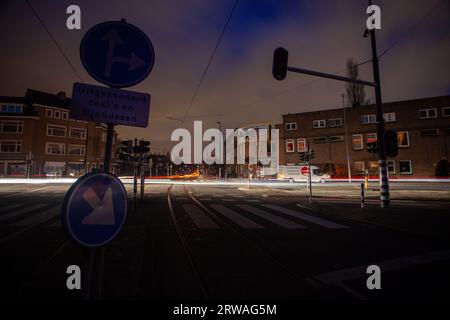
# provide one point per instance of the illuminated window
(403, 139)
(12, 108)
(290, 145)
(357, 142)
(302, 145)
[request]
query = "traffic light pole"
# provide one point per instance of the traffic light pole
(382, 163)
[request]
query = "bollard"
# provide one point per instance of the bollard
(366, 182)
(363, 201)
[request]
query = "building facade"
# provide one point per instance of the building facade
(39, 139)
(335, 135)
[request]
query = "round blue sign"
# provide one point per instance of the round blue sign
(94, 209)
(117, 54)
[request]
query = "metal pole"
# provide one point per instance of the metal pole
(108, 148)
(346, 140)
(310, 177)
(363, 200)
(382, 163)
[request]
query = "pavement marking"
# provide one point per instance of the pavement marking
(201, 220)
(271, 217)
(21, 211)
(10, 207)
(239, 196)
(40, 217)
(306, 217)
(38, 189)
(236, 217)
(253, 201)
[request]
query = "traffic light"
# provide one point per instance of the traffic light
(144, 146)
(302, 156)
(372, 147)
(126, 146)
(312, 154)
(390, 143)
(280, 63)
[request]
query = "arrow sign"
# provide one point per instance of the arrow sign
(94, 209)
(117, 54)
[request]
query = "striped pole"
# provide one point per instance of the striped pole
(384, 184)
(363, 200)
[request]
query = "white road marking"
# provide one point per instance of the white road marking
(236, 217)
(21, 211)
(40, 217)
(271, 217)
(312, 219)
(201, 220)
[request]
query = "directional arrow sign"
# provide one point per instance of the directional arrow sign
(94, 209)
(117, 54)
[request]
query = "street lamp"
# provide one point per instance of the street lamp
(346, 139)
(221, 151)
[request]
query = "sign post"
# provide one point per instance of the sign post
(119, 55)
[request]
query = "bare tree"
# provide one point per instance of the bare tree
(355, 92)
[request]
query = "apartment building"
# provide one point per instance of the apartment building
(39, 139)
(422, 126)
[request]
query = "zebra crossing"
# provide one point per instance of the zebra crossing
(256, 216)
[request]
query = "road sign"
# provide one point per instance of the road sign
(109, 105)
(94, 209)
(304, 170)
(117, 54)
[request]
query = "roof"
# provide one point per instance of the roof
(52, 100)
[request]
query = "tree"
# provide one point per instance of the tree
(355, 92)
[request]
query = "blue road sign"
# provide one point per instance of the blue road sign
(94, 209)
(117, 54)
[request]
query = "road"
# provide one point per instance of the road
(231, 242)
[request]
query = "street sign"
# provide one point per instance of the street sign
(109, 105)
(94, 209)
(117, 54)
(304, 171)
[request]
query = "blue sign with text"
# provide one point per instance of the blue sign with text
(94, 209)
(117, 54)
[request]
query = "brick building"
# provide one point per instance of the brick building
(422, 125)
(38, 138)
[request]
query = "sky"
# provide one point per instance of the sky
(239, 88)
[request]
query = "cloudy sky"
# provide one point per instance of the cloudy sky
(239, 88)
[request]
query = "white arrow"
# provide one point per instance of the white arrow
(113, 38)
(103, 209)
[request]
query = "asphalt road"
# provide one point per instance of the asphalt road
(229, 242)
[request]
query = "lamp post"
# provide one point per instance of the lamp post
(221, 151)
(346, 139)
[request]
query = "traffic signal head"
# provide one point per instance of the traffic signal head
(390, 143)
(302, 157)
(144, 146)
(280, 63)
(372, 147)
(126, 146)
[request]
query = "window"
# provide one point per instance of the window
(11, 126)
(389, 117)
(359, 167)
(77, 150)
(405, 166)
(391, 166)
(49, 113)
(429, 132)
(56, 131)
(65, 115)
(57, 114)
(302, 145)
(371, 137)
(77, 133)
(291, 126)
(333, 123)
(12, 108)
(317, 124)
(403, 139)
(10, 146)
(368, 119)
(428, 113)
(320, 140)
(336, 138)
(290, 145)
(357, 142)
(446, 111)
(55, 148)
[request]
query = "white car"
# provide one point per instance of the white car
(294, 174)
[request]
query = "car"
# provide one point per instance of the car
(294, 174)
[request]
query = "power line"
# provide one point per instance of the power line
(54, 40)
(210, 61)
(403, 36)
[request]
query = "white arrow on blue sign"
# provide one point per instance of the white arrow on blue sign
(117, 54)
(94, 209)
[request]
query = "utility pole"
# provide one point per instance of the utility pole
(382, 163)
(346, 139)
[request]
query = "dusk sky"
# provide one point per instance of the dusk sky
(239, 88)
